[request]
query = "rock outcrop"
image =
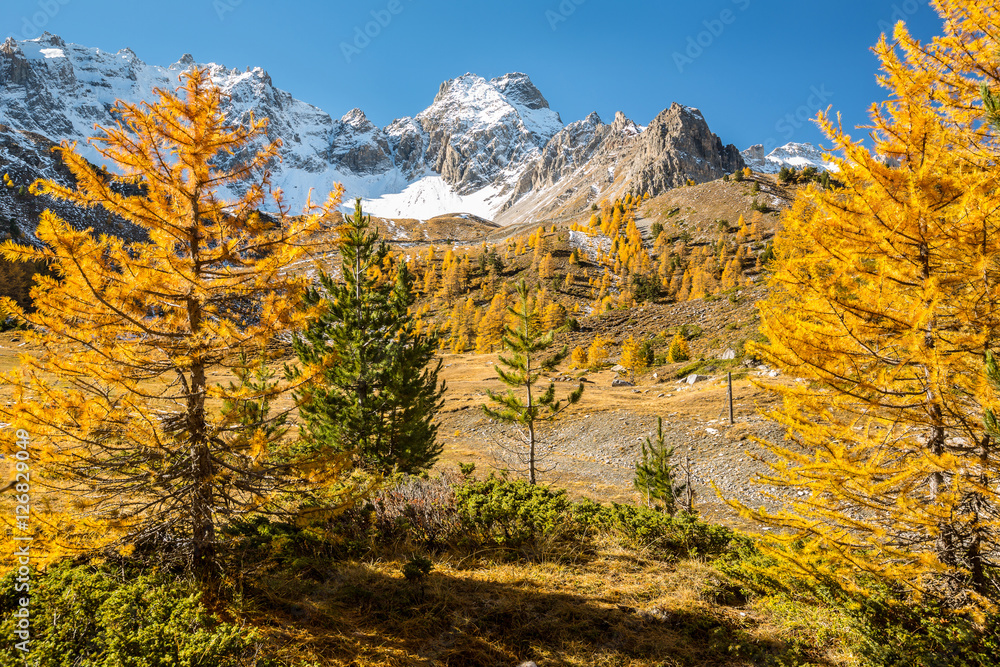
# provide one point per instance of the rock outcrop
(794, 155)
(493, 148)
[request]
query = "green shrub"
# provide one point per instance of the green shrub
(681, 536)
(888, 628)
(511, 513)
(88, 617)
(646, 352)
(767, 255)
(645, 288)
(898, 633)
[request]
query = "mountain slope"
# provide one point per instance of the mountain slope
(794, 155)
(493, 148)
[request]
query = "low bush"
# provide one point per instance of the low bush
(511, 513)
(681, 536)
(84, 616)
(886, 626)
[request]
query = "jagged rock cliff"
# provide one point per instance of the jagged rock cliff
(493, 148)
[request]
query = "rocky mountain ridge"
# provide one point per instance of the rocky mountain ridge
(794, 155)
(493, 148)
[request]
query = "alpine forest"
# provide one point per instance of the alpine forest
(480, 386)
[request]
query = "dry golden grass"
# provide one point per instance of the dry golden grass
(611, 607)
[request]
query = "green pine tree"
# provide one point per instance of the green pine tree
(250, 415)
(521, 370)
(991, 106)
(377, 389)
(655, 476)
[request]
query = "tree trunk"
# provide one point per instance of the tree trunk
(202, 520)
(531, 424)
(531, 452)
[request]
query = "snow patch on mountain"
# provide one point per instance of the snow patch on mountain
(431, 196)
(797, 155)
(479, 148)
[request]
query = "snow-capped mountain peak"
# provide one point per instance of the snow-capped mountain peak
(471, 103)
(797, 155)
(519, 90)
(481, 146)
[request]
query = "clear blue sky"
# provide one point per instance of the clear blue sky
(751, 66)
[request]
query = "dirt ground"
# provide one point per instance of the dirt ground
(592, 447)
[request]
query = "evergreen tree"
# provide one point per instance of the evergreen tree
(678, 350)
(521, 370)
(374, 390)
(655, 476)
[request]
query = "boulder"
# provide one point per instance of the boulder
(618, 382)
(728, 354)
(695, 378)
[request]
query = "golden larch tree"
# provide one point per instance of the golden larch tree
(631, 358)
(597, 353)
(118, 398)
(885, 300)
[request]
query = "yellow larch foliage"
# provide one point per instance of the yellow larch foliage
(683, 292)
(631, 359)
(731, 274)
(624, 300)
(489, 333)
(700, 283)
(554, 316)
(883, 298)
(463, 324)
(118, 408)
(454, 280)
(430, 282)
(578, 359)
(545, 267)
(743, 232)
(537, 241)
(597, 353)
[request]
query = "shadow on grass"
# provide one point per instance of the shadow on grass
(498, 615)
